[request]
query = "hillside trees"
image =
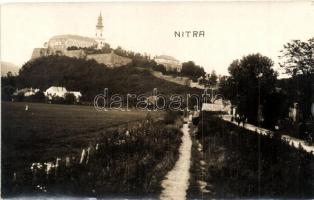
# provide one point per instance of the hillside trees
(8, 86)
(192, 70)
(90, 77)
(211, 80)
(252, 79)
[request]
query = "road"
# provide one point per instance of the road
(294, 142)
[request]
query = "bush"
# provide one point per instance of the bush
(39, 97)
(172, 116)
(7, 92)
(69, 98)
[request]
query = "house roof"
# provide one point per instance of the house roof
(56, 91)
(26, 91)
(76, 93)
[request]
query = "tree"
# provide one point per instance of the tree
(69, 98)
(275, 108)
(298, 57)
(251, 80)
(106, 48)
(209, 80)
(298, 61)
(8, 86)
(212, 80)
(190, 69)
(159, 68)
(39, 97)
(7, 92)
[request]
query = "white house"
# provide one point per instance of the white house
(26, 92)
(77, 95)
(169, 62)
(54, 91)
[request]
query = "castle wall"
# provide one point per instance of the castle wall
(110, 59)
(75, 53)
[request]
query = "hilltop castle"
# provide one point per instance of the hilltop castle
(81, 47)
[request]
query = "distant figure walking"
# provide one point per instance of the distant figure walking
(26, 107)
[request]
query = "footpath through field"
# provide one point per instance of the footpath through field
(291, 140)
(176, 182)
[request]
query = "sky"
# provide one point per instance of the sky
(232, 29)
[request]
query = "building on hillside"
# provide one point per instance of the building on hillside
(26, 92)
(77, 95)
(39, 52)
(61, 43)
(77, 46)
(61, 92)
(99, 33)
(70, 45)
(54, 91)
(196, 85)
(169, 62)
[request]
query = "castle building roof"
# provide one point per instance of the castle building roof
(74, 37)
(165, 57)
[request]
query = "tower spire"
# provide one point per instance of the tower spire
(99, 22)
(99, 32)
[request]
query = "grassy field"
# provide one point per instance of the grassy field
(122, 160)
(50, 130)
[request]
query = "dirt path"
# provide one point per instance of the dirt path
(294, 142)
(176, 182)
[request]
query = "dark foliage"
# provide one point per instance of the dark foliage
(38, 97)
(8, 87)
(160, 68)
(91, 78)
(251, 80)
(297, 59)
(238, 155)
(191, 70)
(69, 98)
(92, 50)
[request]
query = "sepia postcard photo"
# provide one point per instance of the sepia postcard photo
(168, 100)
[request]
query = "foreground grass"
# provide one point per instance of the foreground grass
(243, 164)
(127, 161)
(49, 130)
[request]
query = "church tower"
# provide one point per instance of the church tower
(99, 33)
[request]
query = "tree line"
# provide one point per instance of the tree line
(261, 97)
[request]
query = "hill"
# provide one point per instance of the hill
(91, 78)
(8, 67)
